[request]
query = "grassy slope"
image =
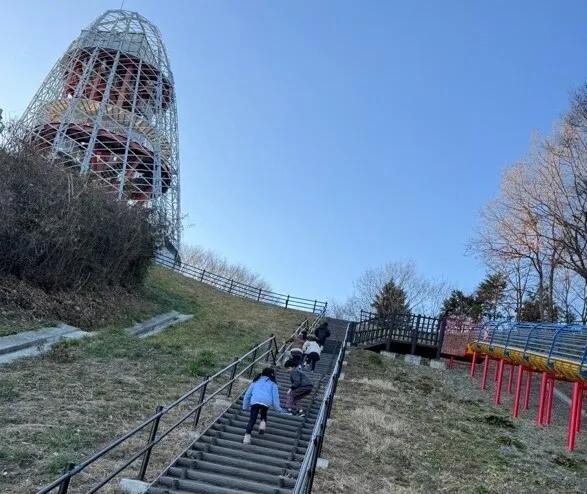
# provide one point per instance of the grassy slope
(400, 428)
(24, 308)
(79, 397)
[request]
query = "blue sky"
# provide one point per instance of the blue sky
(319, 139)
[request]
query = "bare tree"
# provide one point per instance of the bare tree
(213, 262)
(515, 232)
(423, 295)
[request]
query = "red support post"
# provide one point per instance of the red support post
(473, 364)
(451, 363)
(500, 366)
(511, 378)
(580, 408)
(485, 372)
(541, 398)
(550, 400)
(528, 389)
(573, 416)
(516, 411)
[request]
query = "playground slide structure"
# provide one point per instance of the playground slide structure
(556, 351)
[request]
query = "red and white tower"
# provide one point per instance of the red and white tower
(108, 108)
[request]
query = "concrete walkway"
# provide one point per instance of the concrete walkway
(32, 343)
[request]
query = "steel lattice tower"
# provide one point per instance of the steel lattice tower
(108, 107)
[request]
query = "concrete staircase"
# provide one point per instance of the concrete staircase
(218, 462)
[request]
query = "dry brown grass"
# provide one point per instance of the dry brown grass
(66, 406)
(404, 429)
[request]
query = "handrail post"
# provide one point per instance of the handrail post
(259, 296)
(274, 354)
(440, 340)
(315, 302)
(231, 285)
(200, 401)
(351, 335)
(415, 335)
(389, 333)
(203, 274)
(232, 374)
(65, 484)
(286, 301)
(313, 467)
(253, 361)
(269, 348)
(147, 455)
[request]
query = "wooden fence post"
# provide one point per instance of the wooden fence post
(415, 335)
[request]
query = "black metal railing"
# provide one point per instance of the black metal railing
(308, 468)
(241, 289)
(266, 351)
(412, 329)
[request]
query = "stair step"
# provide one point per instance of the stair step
(238, 462)
(274, 480)
(225, 443)
(260, 440)
(271, 434)
(195, 484)
(249, 454)
(242, 422)
(200, 487)
(274, 417)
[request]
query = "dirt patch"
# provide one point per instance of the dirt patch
(405, 429)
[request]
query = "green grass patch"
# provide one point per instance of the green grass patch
(8, 391)
(497, 421)
(58, 439)
(204, 364)
(511, 442)
(56, 464)
(14, 454)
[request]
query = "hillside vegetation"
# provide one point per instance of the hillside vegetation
(66, 405)
(69, 251)
(400, 428)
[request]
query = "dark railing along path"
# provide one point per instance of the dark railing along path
(411, 329)
(241, 289)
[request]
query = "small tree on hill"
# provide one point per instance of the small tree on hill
(490, 294)
(461, 305)
(532, 310)
(392, 299)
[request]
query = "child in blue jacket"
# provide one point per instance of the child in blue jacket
(262, 394)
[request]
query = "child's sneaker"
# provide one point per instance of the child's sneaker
(262, 427)
(301, 413)
(247, 439)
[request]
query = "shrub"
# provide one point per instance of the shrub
(61, 352)
(64, 231)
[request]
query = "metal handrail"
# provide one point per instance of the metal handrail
(241, 289)
(413, 324)
(305, 325)
(306, 474)
(271, 350)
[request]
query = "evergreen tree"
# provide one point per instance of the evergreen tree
(530, 311)
(392, 299)
(461, 305)
(489, 296)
